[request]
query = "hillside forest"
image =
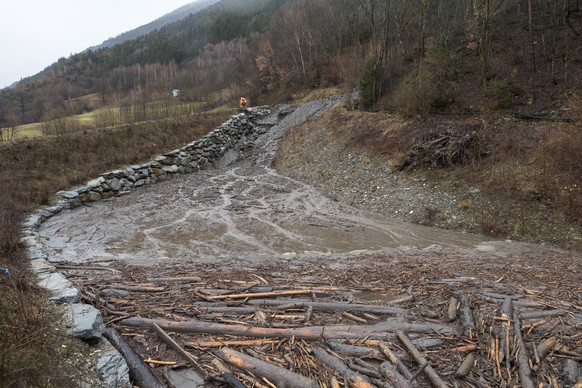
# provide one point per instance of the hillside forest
(420, 54)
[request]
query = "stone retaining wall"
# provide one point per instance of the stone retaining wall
(85, 322)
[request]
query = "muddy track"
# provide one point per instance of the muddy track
(240, 209)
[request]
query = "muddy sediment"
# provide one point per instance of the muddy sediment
(241, 209)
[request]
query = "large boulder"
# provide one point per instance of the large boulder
(85, 322)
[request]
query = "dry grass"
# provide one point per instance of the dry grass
(31, 339)
(31, 171)
(527, 172)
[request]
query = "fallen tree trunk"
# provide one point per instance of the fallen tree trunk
(466, 315)
(421, 360)
(522, 357)
(403, 369)
(395, 378)
(381, 330)
(260, 294)
(138, 370)
(174, 345)
(364, 308)
(280, 376)
(338, 365)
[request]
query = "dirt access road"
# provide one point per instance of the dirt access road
(242, 227)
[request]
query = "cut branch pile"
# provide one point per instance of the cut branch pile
(444, 151)
(256, 327)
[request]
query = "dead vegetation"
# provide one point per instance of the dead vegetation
(31, 172)
(525, 170)
(366, 321)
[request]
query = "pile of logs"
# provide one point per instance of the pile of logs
(262, 331)
(444, 151)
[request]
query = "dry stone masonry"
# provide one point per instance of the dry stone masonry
(85, 322)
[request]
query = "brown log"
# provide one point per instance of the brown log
(279, 376)
(404, 299)
(218, 344)
(222, 368)
(391, 373)
(174, 345)
(466, 315)
(225, 310)
(159, 362)
(403, 369)
(522, 358)
(426, 343)
(452, 310)
(546, 346)
(260, 294)
(138, 288)
(466, 365)
(358, 381)
(331, 361)
(308, 314)
(189, 279)
(364, 368)
(338, 365)
(570, 372)
(354, 317)
(354, 351)
(514, 299)
(138, 370)
(542, 314)
(421, 360)
(418, 372)
(381, 330)
(328, 306)
(505, 333)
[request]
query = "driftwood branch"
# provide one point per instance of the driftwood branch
(466, 315)
(522, 358)
(403, 369)
(328, 306)
(261, 294)
(380, 330)
(280, 376)
(396, 379)
(421, 360)
(174, 345)
(542, 314)
(466, 366)
(338, 365)
(138, 370)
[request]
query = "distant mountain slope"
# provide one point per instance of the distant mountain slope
(171, 17)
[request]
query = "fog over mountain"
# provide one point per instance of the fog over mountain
(162, 21)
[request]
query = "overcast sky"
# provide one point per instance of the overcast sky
(36, 33)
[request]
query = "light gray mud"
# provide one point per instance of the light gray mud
(240, 209)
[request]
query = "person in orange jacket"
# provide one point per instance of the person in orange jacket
(243, 103)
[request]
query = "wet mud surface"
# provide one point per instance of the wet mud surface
(241, 209)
